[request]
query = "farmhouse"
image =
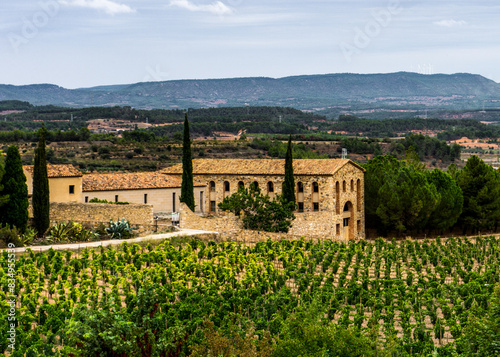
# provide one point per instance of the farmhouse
(326, 189)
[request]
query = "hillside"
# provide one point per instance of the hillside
(308, 92)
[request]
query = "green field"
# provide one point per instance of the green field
(412, 295)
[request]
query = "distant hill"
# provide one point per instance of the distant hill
(308, 92)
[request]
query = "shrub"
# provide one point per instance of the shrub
(119, 229)
(10, 235)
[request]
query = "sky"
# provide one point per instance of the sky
(85, 43)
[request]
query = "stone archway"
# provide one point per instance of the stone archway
(348, 221)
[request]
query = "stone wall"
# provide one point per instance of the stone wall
(223, 224)
(311, 225)
(140, 216)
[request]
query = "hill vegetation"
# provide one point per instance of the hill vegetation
(356, 91)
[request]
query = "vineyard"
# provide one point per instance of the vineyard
(415, 294)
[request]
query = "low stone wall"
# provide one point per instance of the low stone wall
(138, 215)
(224, 224)
(312, 225)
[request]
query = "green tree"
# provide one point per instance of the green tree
(41, 198)
(480, 184)
(15, 211)
(4, 198)
(289, 182)
(450, 201)
(259, 212)
(187, 188)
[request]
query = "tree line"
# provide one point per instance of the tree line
(402, 196)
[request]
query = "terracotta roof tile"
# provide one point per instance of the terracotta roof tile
(128, 181)
(261, 166)
(57, 170)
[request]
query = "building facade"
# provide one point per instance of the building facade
(65, 182)
(152, 188)
(333, 186)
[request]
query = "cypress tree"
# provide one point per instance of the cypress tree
(289, 183)
(15, 211)
(41, 200)
(187, 190)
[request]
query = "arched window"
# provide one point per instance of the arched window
(212, 186)
(270, 187)
(241, 185)
(226, 186)
(315, 187)
(255, 184)
(300, 187)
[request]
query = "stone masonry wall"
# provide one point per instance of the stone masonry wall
(94, 213)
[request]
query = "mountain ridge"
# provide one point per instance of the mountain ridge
(306, 92)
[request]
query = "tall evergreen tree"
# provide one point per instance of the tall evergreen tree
(3, 197)
(41, 200)
(187, 188)
(289, 182)
(15, 211)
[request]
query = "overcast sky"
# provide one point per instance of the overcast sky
(84, 43)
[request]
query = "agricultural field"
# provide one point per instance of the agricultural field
(417, 295)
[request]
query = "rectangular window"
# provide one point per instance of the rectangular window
(86, 199)
(173, 201)
(71, 189)
(301, 206)
(338, 229)
(145, 198)
(116, 198)
(201, 201)
(358, 226)
(212, 206)
(315, 206)
(346, 222)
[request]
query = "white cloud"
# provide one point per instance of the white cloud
(108, 6)
(450, 23)
(216, 8)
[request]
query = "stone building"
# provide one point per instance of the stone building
(153, 188)
(330, 190)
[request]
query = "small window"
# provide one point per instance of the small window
(241, 185)
(301, 206)
(343, 186)
(270, 187)
(212, 186)
(315, 187)
(212, 206)
(338, 229)
(173, 201)
(145, 198)
(352, 185)
(346, 222)
(300, 187)
(255, 184)
(86, 199)
(226, 186)
(358, 226)
(116, 198)
(315, 206)
(71, 189)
